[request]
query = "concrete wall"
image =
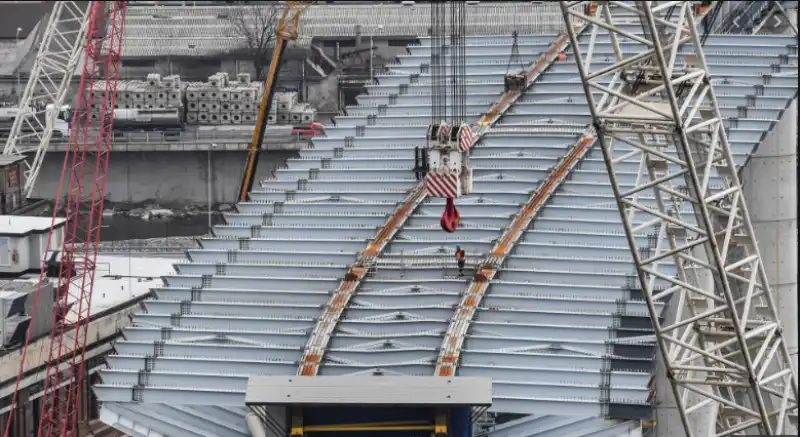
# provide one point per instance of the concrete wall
(323, 94)
(770, 186)
(169, 178)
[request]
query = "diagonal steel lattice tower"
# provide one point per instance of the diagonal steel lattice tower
(57, 58)
(652, 99)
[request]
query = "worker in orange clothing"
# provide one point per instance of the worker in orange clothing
(461, 258)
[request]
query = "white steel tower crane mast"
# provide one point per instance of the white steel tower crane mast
(58, 56)
(652, 99)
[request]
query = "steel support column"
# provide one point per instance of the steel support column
(725, 350)
(59, 53)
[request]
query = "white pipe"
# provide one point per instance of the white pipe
(254, 425)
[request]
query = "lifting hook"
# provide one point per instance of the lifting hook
(450, 218)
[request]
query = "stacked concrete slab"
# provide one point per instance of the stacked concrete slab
(222, 101)
(154, 92)
(287, 109)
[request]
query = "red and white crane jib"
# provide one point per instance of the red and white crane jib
(83, 177)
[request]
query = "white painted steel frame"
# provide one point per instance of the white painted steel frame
(724, 354)
(778, 9)
(58, 56)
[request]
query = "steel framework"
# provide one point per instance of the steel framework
(724, 353)
(50, 78)
(776, 10)
(318, 341)
(84, 175)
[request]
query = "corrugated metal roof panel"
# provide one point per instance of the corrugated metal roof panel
(562, 320)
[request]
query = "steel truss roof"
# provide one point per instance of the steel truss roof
(724, 354)
(563, 329)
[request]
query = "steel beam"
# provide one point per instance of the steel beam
(321, 335)
(450, 351)
(49, 81)
(724, 354)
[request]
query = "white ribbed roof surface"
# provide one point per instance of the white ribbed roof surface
(201, 30)
(562, 331)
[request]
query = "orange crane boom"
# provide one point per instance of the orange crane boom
(285, 30)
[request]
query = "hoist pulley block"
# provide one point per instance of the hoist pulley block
(448, 174)
(515, 82)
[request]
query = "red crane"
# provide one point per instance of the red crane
(84, 176)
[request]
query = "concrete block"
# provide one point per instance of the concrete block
(154, 79)
(248, 118)
(225, 106)
(214, 107)
(308, 116)
(202, 117)
(193, 106)
(213, 118)
(248, 106)
(213, 94)
(203, 106)
(225, 96)
(192, 94)
(235, 96)
(271, 118)
(225, 118)
(283, 117)
(191, 117)
(214, 81)
(202, 94)
(236, 118)
(235, 106)
(249, 94)
(137, 96)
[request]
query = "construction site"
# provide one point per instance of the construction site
(447, 218)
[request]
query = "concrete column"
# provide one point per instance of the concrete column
(770, 185)
(23, 412)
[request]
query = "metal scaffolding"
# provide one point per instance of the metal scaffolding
(58, 56)
(724, 353)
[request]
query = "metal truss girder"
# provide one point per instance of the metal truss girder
(321, 335)
(776, 9)
(724, 354)
(59, 54)
(453, 340)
